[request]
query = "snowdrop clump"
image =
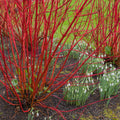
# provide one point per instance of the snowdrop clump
(109, 83)
(92, 65)
(77, 93)
(109, 78)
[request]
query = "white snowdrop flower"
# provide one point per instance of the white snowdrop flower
(102, 62)
(32, 113)
(100, 66)
(102, 55)
(85, 91)
(37, 114)
(106, 67)
(117, 80)
(76, 90)
(114, 69)
(50, 118)
(89, 79)
(112, 84)
(101, 89)
(118, 72)
(68, 84)
(92, 81)
(103, 75)
(110, 65)
(88, 73)
(45, 118)
(107, 79)
(111, 69)
(87, 87)
(112, 73)
(83, 88)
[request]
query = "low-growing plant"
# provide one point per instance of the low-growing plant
(109, 82)
(32, 114)
(28, 84)
(93, 65)
(73, 54)
(78, 91)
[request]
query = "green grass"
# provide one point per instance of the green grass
(81, 25)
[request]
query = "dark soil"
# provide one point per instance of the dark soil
(94, 109)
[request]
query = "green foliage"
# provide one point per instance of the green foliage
(108, 50)
(32, 114)
(109, 83)
(97, 65)
(28, 84)
(15, 84)
(92, 65)
(77, 93)
(74, 53)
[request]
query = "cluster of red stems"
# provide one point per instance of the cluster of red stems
(28, 43)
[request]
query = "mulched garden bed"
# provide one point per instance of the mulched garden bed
(94, 109)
